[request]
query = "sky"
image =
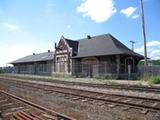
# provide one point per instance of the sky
(33, 26)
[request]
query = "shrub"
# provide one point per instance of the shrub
(146, 77)
(155, 80)
(1, 71)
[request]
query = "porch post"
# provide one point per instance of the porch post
(118, 64)
(19, 69)
(73, 66)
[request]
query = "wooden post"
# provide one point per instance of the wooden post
(144, 34)
(118, 63)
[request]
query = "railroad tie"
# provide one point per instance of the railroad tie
(154, 104)
(111, 105)
(144, 111)
(32, 116)
(16, 117)
(85, 100)
(24, 116)
(6, 106)
(116, 99)
(76, 98)
(50, 117)
(102, 96)
(9, 114)
(3, 101)
(36, 116)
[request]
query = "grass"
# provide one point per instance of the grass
(100, 78)
(146, 77)
(151, 79)
(60, 76)
(154, 79)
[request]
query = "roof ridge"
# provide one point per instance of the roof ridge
(93, 36)
(69, 39)
(42, 53)
(36, 57)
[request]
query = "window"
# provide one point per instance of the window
(42, 67)
(57, 58)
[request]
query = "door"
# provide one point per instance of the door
(91, 66)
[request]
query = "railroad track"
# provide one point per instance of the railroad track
(112, 100)
(16, 108)
(108, 86)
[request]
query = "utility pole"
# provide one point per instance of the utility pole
(144, 34)
(132, 42)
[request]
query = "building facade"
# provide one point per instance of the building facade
(40, 64)
(100, 55)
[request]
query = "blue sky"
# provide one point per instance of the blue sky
(28, 26)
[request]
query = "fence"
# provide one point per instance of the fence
(103, 69)
(6, 69)
(106, 69)
(150, 70)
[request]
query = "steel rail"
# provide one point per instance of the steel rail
(43, 86)
(56, 114)
(82, 94)
(124, 87)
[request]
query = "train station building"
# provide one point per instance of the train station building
(100, 55)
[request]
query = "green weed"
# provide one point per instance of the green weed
(155, 80)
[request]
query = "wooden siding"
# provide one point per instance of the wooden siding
(39, 68)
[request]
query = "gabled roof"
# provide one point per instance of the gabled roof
(73, 45)
(103, 45)
(93, 46)
(34, 58)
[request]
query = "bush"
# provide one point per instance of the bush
(1, 71)
(146, 77)
(155, 80)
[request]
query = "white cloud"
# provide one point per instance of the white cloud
(97, 10)
(11, 27)
(135, 16)
(13, 52)
(153, 43)
(153, 49)
(128, 11)
(139, 50)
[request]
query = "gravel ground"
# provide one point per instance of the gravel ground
(81, 110)
(84, 111)
(105, 90)
(84, 80)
